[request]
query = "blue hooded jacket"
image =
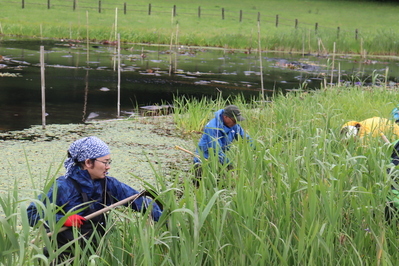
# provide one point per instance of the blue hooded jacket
(218, 137)
(69, 199)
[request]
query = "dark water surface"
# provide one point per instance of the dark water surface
(81, 86)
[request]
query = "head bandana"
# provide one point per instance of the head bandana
(82, 149)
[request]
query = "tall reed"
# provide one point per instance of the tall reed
(298, 194)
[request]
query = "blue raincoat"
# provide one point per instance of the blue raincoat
(69, 199)
(218, 137)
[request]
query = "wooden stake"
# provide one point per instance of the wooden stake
(260, 63)
(119, 77)
(43, 87)
(87, 37)
(332, 68)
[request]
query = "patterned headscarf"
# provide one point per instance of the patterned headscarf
(82, 149)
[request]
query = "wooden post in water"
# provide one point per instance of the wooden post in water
(332, 68)
(119, 76)
(43, 87)
(260, 63)
(87, 38)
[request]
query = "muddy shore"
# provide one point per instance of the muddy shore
(138, 148)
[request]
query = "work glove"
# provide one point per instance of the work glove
(74, 220)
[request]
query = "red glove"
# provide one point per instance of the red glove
(74, 220)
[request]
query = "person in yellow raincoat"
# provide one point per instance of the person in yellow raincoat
(374, 127)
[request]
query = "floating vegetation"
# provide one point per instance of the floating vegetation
(10, 75)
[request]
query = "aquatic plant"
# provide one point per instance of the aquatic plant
(298, 195)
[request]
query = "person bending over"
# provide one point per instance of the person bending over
(217, 137)
(371, 127)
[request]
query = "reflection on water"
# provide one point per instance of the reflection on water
(81, 86)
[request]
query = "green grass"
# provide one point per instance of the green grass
(377, 34)
(302, 197)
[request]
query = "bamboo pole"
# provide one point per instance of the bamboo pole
(332, 68)
(260, 63)
(170, 55)
(176, 46)
(386, 77)
(87, 37)
(119, 77)
(116, 21)
(43, 87)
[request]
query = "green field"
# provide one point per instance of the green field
(364, 26)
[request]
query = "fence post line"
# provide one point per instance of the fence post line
(258, 16)
(174, 10)
(124, 8)
(149, 9)
(199, 11)
(222, 12)
(316, 26)
(240, 15)
(338, 29)
(23, 4)
(48, 4)
(74, 5)
(296, 23)
(276, 21)
(99, 6)
(356, 32)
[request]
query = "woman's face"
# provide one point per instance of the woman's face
(98, 168)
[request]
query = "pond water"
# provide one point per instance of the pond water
(82, 85)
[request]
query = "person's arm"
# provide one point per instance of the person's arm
(245, 136)
(122, 191)
(34, 215)
(217, 140)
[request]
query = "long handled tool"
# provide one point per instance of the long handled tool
(189, 152)
(103, 210)
(384, 138)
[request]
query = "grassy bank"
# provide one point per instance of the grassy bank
(308, 26)
(302, 197)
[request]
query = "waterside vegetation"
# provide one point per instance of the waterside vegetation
(299, 195)
(356, 27)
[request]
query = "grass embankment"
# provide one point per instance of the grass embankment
(365, 27)
(302, 197)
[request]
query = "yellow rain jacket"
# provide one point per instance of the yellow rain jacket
(374, 127)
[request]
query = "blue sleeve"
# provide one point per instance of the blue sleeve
(34, 215)
(122, 191)
(214, 138)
